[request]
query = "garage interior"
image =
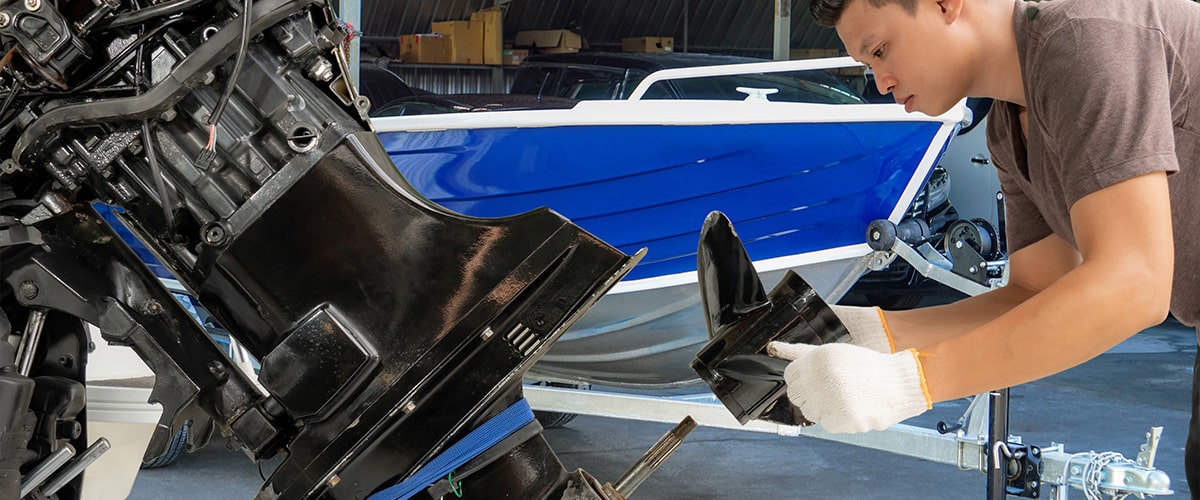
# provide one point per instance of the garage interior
(703, 26)
(442, 76)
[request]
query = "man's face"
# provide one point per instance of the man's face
(913, 56)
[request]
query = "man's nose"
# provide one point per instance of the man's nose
(885, 83)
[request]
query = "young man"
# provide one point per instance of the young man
(1095, 133)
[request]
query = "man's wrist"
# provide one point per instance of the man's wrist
(867, 327)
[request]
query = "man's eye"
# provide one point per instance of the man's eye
(878, 53)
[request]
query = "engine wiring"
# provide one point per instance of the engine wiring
(141, 71)
(209, 152)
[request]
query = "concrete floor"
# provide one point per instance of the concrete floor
(1107, 404)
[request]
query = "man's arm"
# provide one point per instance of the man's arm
(1031, 270)
(1121, 286)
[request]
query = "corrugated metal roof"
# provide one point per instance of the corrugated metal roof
(717, 26)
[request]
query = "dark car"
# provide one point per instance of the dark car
(383, 87)
(466, 103)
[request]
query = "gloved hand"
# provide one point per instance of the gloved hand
(867, 327)
(847, 388)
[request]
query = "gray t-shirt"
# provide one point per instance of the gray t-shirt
(1112, 90)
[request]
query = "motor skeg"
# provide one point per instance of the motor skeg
(742, 320)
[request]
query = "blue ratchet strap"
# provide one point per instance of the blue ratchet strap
(478, 441)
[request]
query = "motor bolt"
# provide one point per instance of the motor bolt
(29, 290)
(218, 371)
(4, 19)
(33, 4)
(214, 234)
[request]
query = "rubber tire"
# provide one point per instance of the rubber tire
(552, 419)
(174, 450)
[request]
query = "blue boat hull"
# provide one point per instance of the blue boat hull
(791, 189)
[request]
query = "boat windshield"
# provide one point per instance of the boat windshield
(799, 86)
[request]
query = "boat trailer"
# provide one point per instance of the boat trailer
(978, 441)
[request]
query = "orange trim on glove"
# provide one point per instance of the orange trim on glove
(921, 373)
(888, 332)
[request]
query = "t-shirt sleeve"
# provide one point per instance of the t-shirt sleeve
(1102, 93)
(1023, 221)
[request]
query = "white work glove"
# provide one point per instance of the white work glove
(866, 326)
(847, 388)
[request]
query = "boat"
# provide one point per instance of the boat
(800, 181)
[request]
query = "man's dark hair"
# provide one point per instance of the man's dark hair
(827, 12)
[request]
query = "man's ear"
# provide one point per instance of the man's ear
(950, 9)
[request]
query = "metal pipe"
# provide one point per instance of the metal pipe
(350, 11)
(44, 469)
(997, 467)
(77, 466)
(29, 341)
(654, 457)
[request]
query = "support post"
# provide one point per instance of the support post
(997, 435)
(783, 29)
(686, 6)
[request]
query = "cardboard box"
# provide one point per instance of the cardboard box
(648, 44)
(513, 57)
(493, 33)
(813, 53)
(550, 41)
(425, 48)
(466, 40)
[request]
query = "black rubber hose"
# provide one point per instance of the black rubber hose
(152, 156)
(149, 13)
(237, 66)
